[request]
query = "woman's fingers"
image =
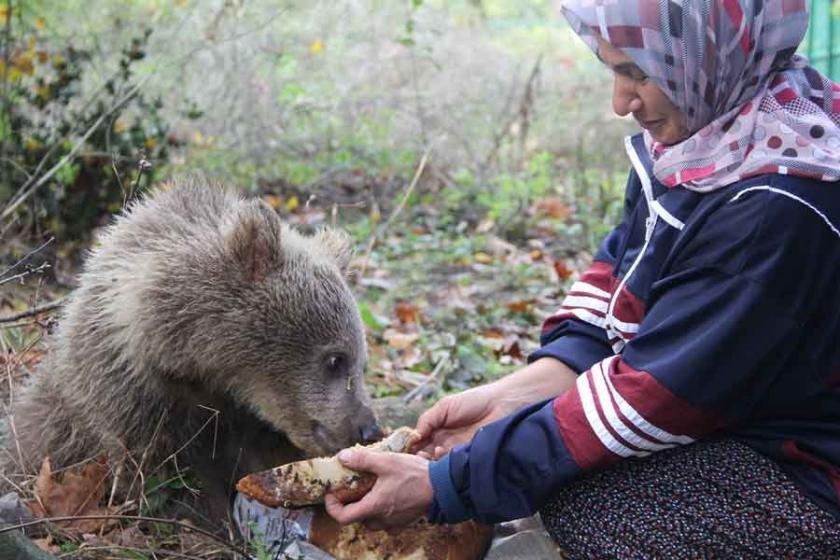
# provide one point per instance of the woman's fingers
(401, 494)
(433, 419)
(444, 440)
(364, 460)
(348, 513)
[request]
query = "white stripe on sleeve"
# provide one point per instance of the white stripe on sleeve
(587, 288)
(637, 419)
(591, 413)
(587, 316)
(598, 376)
(570, 302)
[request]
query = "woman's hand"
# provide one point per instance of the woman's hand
(402, 493)
(456, 418)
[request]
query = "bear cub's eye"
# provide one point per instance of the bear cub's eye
(337, 364)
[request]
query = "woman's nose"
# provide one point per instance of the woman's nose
(625, 98)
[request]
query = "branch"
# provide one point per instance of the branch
(397, 210)
(505, 130)
(26, 256)
(32, 311)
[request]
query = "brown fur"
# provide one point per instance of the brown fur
(202, 328)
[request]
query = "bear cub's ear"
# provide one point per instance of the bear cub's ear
(254, 241)
(337, 244)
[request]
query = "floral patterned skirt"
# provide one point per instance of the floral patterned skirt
(717, 499)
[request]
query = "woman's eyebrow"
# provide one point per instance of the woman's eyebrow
(628, 67)
(625, 67)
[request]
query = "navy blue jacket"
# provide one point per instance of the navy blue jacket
(703, 315)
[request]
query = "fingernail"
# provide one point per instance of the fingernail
(346, 456)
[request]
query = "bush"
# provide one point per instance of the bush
(84, 156)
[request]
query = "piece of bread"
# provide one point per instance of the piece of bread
(305, 483)
(418, 541)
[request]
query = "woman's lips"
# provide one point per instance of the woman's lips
(652, 124)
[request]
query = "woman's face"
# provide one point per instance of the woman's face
(634, 92)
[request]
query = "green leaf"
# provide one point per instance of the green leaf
(369, 319)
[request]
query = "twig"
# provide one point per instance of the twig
(214, 416)
(138, 475)
(60, 519)
(32, 311)
(429, 379)
(24, 274)
(373, 238)
(26, 256)
(137, 550)
(527, 97)
(29, 187)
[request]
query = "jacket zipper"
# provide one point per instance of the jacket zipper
(650, 226)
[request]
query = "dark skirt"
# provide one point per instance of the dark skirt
(709, 500)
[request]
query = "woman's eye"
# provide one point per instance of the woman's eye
(632, 72)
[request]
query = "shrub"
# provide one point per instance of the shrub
(85, 156)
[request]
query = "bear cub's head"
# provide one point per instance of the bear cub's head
(280, 330)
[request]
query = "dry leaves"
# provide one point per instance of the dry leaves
(398, 340)
(563, 271)
(521, 306)
(76, 491)
(554, 207)
(406, 313)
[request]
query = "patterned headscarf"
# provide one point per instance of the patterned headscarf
(752, 105)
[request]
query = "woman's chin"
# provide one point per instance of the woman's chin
(668, 135)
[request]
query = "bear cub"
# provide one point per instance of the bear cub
(205, 336)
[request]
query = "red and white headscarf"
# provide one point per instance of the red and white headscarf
(752, 105)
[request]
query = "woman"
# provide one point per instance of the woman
(697, 361)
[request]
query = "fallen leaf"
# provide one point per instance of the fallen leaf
(536, 255)
(47, 545)
(398, 340)
(521, 306)
(407, 313)
(77, 491)
(498, 247)
(511, 348)
(492, 334)
(483, 258)
(562, 269)
(554, 207)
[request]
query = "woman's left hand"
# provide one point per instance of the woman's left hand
(402, 493)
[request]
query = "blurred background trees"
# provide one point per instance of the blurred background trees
(292, 99)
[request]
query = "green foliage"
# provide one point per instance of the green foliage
(68, 547)
(369, 319)
(509, 194)
(44, 117)
(159, 492)
(257, 545)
